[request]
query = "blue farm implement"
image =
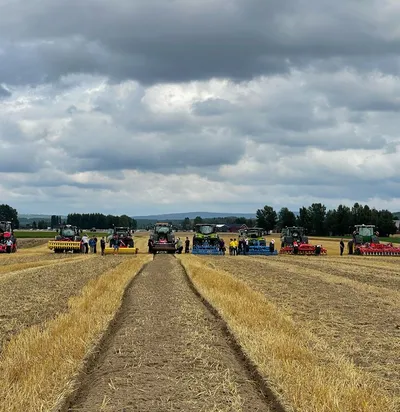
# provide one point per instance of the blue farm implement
(205, 249)
(260, 250)
(256, 243)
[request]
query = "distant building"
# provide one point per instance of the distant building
(236, 228)
(397, 223)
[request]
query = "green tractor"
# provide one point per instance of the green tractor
(206, 240)
(366, 242)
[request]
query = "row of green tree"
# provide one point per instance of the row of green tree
(9, 214)
(98, 220)
(319, 221)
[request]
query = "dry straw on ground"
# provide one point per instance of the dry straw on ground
(38, 366)
(304, 373)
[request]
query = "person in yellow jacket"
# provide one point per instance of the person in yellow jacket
(231, 247)
(235, 247)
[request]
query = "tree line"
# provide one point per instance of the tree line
(98, 220)
(9, 214)
(316, 219)
(319, 221)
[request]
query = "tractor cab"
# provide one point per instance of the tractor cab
(68, 232)
(293, 234)
(5, 227)
(255, 236)
(205, 234)
(365, 234)
(205, 229)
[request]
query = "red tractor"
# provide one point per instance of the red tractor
(8, 242)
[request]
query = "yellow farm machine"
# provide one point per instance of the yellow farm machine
(295, 242)
(122, 237)
(365, 242)
(67, 240)
(8, 242)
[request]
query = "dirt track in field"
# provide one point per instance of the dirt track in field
(354, 305)
(167, 352)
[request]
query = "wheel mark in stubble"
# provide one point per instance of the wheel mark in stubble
(99, 351)
(249, 367)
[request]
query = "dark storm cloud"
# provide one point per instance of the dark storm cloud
(156, 41)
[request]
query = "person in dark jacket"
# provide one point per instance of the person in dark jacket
(341, 247)
(187, 245)
(102, 246)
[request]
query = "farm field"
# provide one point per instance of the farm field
(283, 333)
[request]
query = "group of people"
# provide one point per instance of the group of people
(179, 245)
(241, 246)
(90, 243)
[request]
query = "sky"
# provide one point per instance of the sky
(149, 106)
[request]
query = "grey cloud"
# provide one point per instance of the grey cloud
(213, 107)
(16, 159)
(4, 93)
(185, 41)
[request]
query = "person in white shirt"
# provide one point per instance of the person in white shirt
(85, 242)
(9, 245)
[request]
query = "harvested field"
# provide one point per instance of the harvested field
(39, 366)
(354, 309)
(303, 321)
(31, 296)
(26, 243)
(167, 352)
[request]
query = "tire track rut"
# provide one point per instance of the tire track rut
(167, 352)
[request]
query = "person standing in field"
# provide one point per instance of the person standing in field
(272, 246)
(9, 245)
(222, 246)
(341, 247)
(95, 245)
(85, 243)
(187, 245)
(91, 244)
(116, 245)
(102, 246)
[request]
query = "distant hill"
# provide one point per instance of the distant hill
(396, 214)
(193, 215)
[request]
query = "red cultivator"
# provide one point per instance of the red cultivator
(377, 249)
(365, 242)
(303, 249)
(295, 242)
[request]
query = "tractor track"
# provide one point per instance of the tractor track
(168, 349)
